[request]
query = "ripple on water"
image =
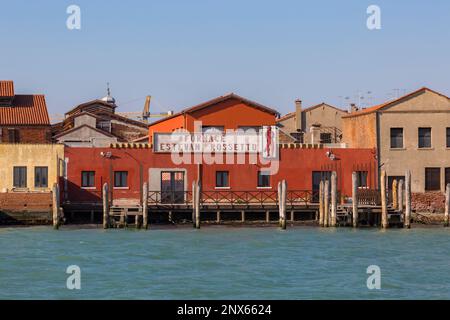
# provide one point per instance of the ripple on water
(224, 263)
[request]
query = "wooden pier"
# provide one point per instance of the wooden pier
(282, 207)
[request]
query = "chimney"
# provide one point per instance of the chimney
(298, 114)
(353, 108)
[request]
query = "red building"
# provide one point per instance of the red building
(23, 117)
(125, 169)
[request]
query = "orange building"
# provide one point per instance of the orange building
(225, 112)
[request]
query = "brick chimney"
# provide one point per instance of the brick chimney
(298, 114)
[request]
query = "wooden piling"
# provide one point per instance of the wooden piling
(242, 216)
(92, 216)
(267, 216)
(407, 219)
(283, 205)
(384, 216)
(400, 195)
(136, 220)
(145, 206)
(55, 206)
(194, 201)
(197, 205)
(105, 206)
(218, 217)
(292, 216)
(394, 194)
(321, 204)
(333, 199)
(326, 203)
(447, 205)
(355, 199)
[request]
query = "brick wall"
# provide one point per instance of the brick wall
(428, 202)
(26, 201)
(29, 134)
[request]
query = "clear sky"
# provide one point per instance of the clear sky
(185, 52)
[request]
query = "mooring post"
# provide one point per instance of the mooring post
(394, 195)
(407, 222)
(92, 216)
(136, 220)
(384, 216)
(283, 204)
(400, 195)
(55, 206)
(242, 216)
(326, 203)
(105, 206)
(279, 203)
(333, 199)
(145, 205)
(447, 204)
(194, 201)
(218, 217)
(355, 199)
(267, 217)
(321, 203)
(292, 216)
(197, 205)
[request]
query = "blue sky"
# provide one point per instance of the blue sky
(185, 52)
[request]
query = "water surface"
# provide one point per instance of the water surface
(224, 263)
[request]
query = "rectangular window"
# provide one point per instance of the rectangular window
(263, 179)
(432, 179)
(120, 179)
(424, 137)
(361, 179)
(88, 179)
(396, 138)
(20, 177)
(41, 177)
(448, 138)
(325, 137)
(222, 180)
(13, 136)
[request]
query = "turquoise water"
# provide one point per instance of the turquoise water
(224, 263)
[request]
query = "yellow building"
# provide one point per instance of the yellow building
(30, 167)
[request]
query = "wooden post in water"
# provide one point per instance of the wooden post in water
(194, 201)
(279, 203)
(333, 199)
(55, 206)
(197, 205)
(218, 217)
(407, 222)
(355, 199)
(384, 216)
(400, 195)
(326, 203)
(267, 217)
(447, 204)
(145, 206)
(321, 203)
(242, 216)
(394, 194)
(283, 204)
(105, 206)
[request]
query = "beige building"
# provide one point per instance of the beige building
(412, 132)
(317, 124)
(30, 167)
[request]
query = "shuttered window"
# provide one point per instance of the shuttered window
(396, 138)
(432, 179)
(41, 177)
(424, 137)
(20, 177)
(87, 179)
(222, 180)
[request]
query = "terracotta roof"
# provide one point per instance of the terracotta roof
(388, 103)
(25, 110)
(6, 88)
(85, 104)
(217, 100)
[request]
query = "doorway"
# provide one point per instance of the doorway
(172, 187)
